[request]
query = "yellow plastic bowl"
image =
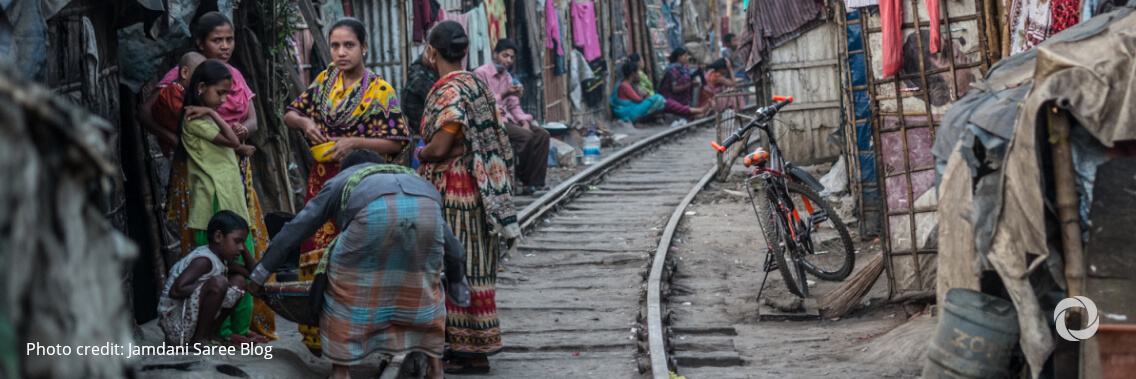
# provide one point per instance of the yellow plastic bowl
(319, 151)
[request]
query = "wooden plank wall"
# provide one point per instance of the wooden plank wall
(808, 69)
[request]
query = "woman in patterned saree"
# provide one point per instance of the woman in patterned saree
(252, 320)
(468, 157)
(353, 107)
(678, 86)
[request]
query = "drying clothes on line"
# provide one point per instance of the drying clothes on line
(584, 29)
(1063, 14)
(1089, 9)
(770, 23)
(424, 18)
(581, 71)
(480, 50)
(933, 13)
(891, 23)
(851, 5)
(672, 9)
(552, 28)
(554, 37)
(495, 15)
(1029, 24)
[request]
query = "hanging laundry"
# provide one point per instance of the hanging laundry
(480, 50)
(1029, 24)
(552, 28)
(891, 25)
(584, 29)
(672, 9)
(1063, 14)
(554, 37)
(495, 14)
(851, 5)
(424, 18)
(530, 29)
(581, 71)
(933, 14)
(1089, 9)
(770, 23)
(458, 18)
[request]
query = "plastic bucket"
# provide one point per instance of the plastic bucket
(976, 337)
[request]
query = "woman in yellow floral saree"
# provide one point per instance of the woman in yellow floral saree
(353, 107)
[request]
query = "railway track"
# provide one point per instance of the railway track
(573, 299)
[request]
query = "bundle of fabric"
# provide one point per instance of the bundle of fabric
(988, 145)
(772, 23)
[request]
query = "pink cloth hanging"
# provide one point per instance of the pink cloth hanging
(552, 28)
(584, 29)
(891, 25)
(933, 13)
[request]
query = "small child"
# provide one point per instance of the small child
(204, 286)
(167, 107)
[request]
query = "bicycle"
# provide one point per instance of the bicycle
(802, 231)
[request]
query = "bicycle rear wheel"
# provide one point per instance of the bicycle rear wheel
(827, 253)
(775, 233)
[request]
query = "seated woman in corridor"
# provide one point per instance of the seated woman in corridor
(629, 102)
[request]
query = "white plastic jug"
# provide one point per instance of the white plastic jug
(591, 148)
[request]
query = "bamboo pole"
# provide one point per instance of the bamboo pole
(1067, 203)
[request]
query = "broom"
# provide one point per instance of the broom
(846, 297)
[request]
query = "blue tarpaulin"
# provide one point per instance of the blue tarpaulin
(862, 112)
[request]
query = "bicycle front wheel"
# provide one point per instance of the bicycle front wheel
(776, 233)
(827, 252)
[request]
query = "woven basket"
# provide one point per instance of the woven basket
(290, 300)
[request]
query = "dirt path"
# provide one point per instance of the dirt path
(716, 308)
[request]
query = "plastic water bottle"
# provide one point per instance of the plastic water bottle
(591, 147)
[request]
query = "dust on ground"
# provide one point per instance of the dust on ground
(721, 239)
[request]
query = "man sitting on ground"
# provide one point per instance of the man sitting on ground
(529, 141)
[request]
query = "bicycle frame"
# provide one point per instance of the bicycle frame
(776, 179)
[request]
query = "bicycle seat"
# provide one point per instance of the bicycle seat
(758, 157)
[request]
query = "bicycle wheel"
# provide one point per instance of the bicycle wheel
(827, 252)
(774, 229)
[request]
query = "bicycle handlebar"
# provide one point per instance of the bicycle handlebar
(763, 114)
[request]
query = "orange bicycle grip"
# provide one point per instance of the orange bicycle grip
(783, 98)
(716, 146)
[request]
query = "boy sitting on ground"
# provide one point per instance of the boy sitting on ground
(204, 286)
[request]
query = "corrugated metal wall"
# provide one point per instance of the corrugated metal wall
(386, 24)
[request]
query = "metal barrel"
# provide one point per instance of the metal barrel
(976, 336)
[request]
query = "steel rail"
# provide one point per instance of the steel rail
(569, 189)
